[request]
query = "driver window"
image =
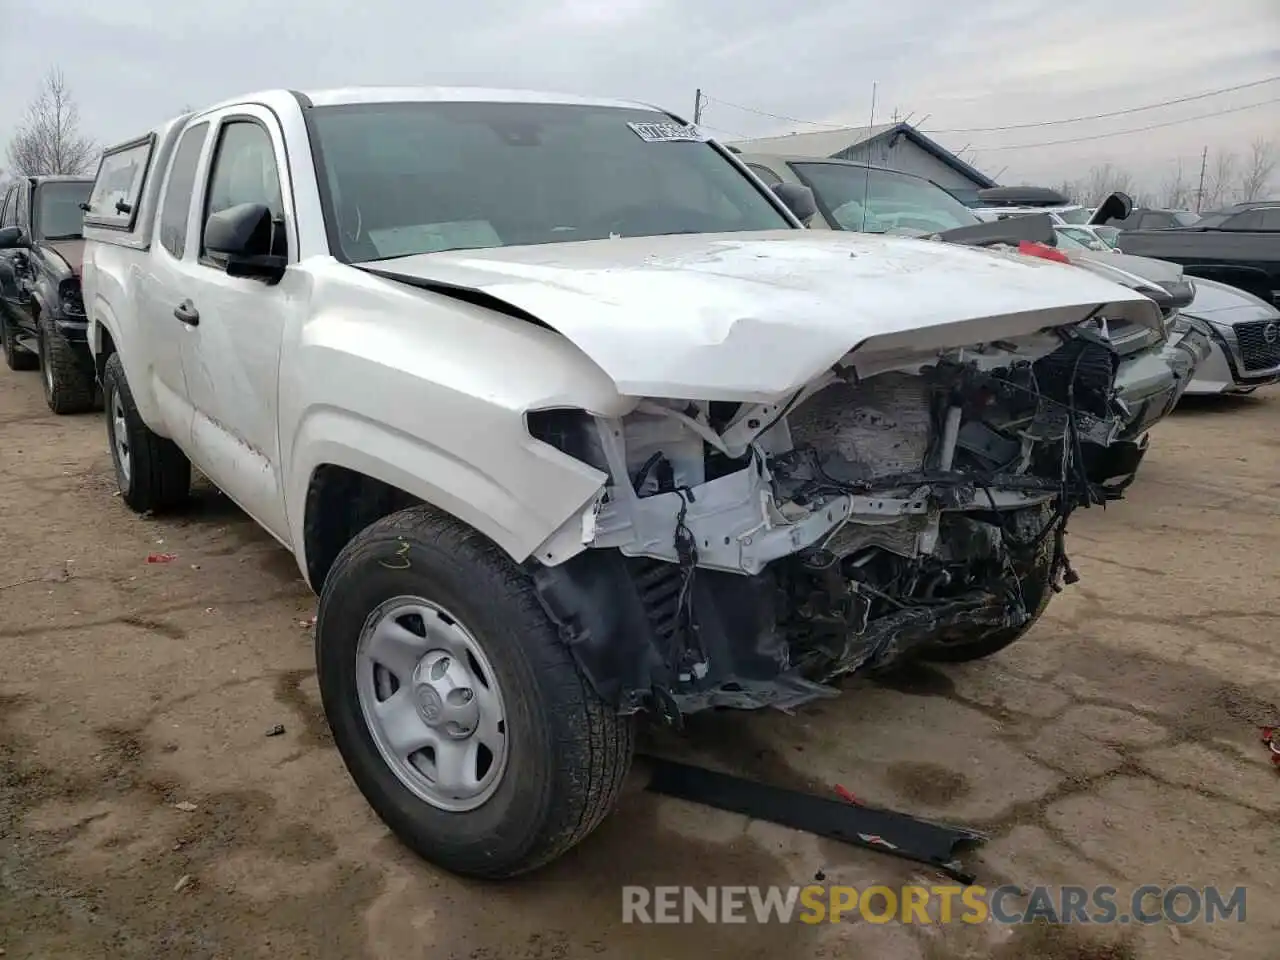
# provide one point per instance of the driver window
(244, 171)
(9, 217)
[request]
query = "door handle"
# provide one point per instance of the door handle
(187, 313)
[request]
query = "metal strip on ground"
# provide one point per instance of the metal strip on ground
(885, 831)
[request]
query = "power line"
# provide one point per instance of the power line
(732, 133)
(1113, 113)
(1016, 126)
(1122, 133)
(775, 116)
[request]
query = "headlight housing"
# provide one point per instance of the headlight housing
(69, 298)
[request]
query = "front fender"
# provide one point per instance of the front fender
(41, 304)
(518, 511)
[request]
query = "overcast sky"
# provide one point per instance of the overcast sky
(985, 63)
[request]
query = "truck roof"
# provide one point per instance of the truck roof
(339, 96)
(59, 178)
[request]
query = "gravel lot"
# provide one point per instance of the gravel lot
(145, 812)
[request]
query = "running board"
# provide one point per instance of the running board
(884, 831)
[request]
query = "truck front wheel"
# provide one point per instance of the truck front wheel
(151, 471)
(67, 388)
(457, 708)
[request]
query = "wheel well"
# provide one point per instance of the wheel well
(341, 503)
(107, 348)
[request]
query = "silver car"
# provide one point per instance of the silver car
(1245, 337)
(1243, 331)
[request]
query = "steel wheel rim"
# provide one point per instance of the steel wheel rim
(120, 437)
(432, 704)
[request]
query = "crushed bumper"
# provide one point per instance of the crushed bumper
(1151, 383)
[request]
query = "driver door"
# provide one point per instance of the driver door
(232, 327)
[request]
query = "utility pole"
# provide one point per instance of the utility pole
(697, 107)
(1204, 160)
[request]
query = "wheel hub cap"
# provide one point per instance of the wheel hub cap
(431, 701)
(120, 437)
(446, 701)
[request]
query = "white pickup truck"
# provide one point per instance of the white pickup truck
(565, 417)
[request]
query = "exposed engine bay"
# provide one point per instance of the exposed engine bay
(746, 555)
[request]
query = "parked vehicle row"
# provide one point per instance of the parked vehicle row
(1239, 245)
(1243, 331)
(567, 418)
(42, 319)
(1229, 338)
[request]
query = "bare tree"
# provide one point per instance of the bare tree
(1069, 189)
(1219, 180)
(1102, 181)
(49, 140)
(1255, 176)
(1176, 193)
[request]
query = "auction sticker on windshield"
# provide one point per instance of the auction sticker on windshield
(666, 132)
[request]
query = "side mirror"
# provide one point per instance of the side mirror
(11, 238)
(799, 200)
(242, 236)
(1118, 206)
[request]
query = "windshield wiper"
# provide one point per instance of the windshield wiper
(64, 236)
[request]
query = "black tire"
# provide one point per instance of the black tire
(568, 751)
(159, 473)
(67, 389)
(15, 356)
(1037, 591)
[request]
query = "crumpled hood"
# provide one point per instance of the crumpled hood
(751, 316)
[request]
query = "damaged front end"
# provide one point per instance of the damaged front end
(745, 555)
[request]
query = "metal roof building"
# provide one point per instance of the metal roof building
(897, 146)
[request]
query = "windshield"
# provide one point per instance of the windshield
(410, 178)
(1079, 239)
(1075, 215)
(58, 213)
(894, 201)
(1107, 235)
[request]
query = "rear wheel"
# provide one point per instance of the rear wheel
(152, 473)
(457, 708)
(15, 356)
(67, 388)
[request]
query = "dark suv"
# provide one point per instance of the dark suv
(42, 319)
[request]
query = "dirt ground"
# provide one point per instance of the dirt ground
(146, 812)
